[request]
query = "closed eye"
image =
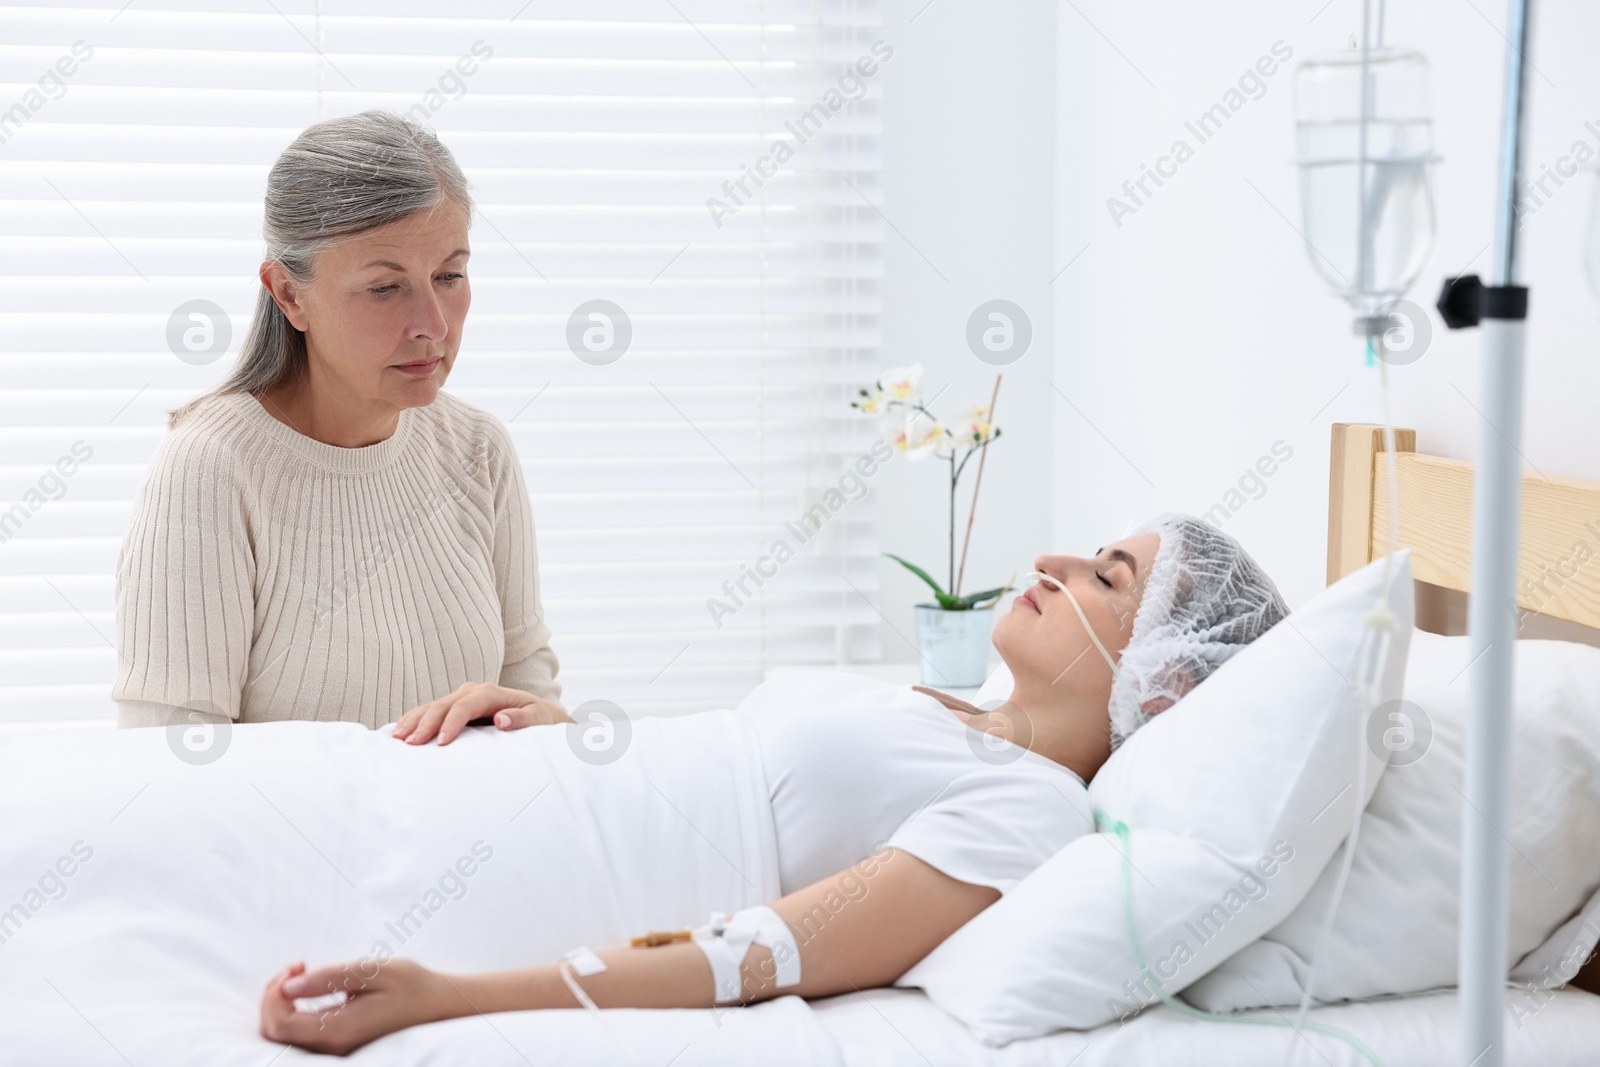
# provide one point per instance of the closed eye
(1104, 580)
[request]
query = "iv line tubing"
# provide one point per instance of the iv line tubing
(1124, 839)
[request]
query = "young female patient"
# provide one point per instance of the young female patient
(940, 807)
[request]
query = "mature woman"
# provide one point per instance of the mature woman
(936, 807)
(328, 535)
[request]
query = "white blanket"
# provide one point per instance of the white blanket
(145, 900)
(318, 841)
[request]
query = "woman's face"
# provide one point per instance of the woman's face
(1042, 639)
(384, 316)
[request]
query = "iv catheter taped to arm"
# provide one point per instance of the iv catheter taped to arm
(724, 940)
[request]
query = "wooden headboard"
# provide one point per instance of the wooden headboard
(1558, 566)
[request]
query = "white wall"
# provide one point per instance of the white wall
(1196, 335)
(969, 102)
(1178, 349)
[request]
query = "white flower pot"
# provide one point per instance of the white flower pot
(954, 646)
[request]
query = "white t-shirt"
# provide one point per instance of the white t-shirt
(854, 765)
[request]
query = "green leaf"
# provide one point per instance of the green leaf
(972, 601)
(987, 598)
(946, 601)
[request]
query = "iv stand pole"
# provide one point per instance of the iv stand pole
(1501, 306)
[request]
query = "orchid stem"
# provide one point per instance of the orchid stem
(972, 510)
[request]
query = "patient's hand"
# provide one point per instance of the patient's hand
(380, 999)
(448, 716)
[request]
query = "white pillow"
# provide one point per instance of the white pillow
(1236, 798)
(1396, 927)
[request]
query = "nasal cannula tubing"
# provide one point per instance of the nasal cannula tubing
(1117, 677)
(1041, 576)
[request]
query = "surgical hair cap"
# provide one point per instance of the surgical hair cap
(1205, 599)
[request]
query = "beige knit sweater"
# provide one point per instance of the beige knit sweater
(267, 575)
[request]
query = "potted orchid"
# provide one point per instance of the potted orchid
(953, 631)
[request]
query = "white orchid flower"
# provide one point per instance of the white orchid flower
(901, 383)
(920, 436)
(974, 428)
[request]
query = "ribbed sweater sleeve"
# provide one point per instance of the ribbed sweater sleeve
(144, 713)
(184, 578)
(531, 663)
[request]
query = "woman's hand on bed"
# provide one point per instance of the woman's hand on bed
(445, 718)
(380, 999)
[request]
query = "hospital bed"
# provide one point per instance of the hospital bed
(883, 1027)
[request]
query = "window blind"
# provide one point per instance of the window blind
(707, 170)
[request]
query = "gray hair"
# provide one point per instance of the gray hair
(339, 178)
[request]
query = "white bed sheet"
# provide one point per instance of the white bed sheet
(875, 1028)
(146, 898)
(884, 1027)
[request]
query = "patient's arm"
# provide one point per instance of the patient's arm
(861, 928)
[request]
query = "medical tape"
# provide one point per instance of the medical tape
(774, 935)
(723, 941)
(726, 939)
(724, 945)
(581, 962)
(585, 961)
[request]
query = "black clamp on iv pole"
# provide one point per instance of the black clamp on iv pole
(1465, 301)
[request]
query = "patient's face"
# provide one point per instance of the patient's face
(1042, 639)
